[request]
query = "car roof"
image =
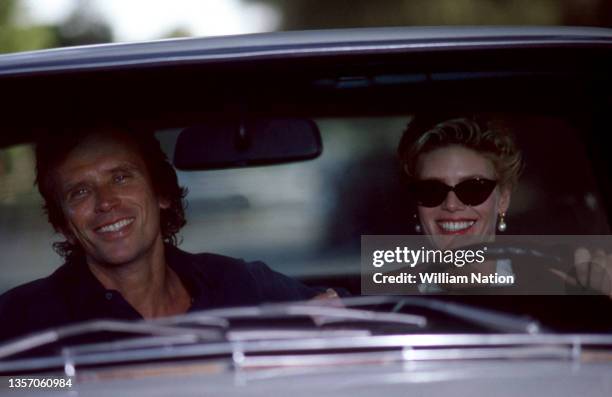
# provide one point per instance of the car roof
(294, 44)
(178, 82)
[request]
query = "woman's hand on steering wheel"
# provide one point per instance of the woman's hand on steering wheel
(594, 270)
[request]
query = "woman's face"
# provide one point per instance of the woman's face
(452, 222)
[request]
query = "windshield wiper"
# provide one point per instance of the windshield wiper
(351, 312)
(231, 336)
(490, 319)
(173, 339)
(48, 337)
(321, 315)
(317, 310)
(173, 332)
(176, 326)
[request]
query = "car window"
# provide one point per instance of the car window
(306, 219)
(26, 234)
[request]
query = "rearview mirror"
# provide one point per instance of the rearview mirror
(231, 144)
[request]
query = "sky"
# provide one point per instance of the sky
(136, 20)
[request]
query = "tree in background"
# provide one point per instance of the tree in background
(177, 32)
(324, 14)
(83, 26)
(16, 36)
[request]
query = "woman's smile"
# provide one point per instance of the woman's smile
(456, 226)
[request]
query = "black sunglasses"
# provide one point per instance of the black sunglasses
(432, 193)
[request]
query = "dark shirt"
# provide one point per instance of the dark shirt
(73, 294)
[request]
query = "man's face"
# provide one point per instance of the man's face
(108, 201)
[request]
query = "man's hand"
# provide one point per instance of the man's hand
(329, 294)
(594, 270)
(327, 298)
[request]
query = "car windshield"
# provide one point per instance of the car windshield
(306, 219)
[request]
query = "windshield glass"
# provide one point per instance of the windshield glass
(307, 220)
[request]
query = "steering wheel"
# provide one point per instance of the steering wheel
(537, 269)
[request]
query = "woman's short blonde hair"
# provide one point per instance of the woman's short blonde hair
(485, 136)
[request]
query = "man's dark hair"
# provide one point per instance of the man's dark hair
(54, 148)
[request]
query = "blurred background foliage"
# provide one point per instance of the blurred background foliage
(14, 36)
(85, 25)
(322, 14)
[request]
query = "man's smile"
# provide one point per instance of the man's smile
(116, 226)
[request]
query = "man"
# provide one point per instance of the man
(115, 198)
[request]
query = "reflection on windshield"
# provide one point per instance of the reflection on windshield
(306, 219)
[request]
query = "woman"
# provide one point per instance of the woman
(462, 171)
(461, 174)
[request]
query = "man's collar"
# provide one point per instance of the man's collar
(90, 294)
(91, 299)
(188, 269)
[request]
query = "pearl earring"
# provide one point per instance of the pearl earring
(502, 225)
(417, 224)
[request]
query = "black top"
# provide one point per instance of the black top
(73, 294)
